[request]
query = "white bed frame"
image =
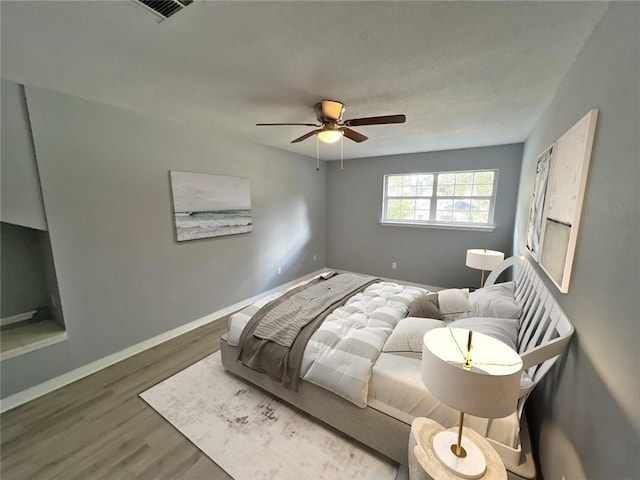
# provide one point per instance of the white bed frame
(545, 331)
(544, 334)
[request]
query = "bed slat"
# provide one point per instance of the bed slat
(545, 331)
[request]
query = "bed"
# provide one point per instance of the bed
(379, 410)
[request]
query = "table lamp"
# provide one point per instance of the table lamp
(475, 374)
(483, 259)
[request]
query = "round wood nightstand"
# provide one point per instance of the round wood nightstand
(423, 464)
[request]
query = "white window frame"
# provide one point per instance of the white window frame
(432, 222)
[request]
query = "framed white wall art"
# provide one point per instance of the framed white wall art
(207, 205)
(563, 196)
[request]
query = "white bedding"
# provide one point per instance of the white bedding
(341, 353)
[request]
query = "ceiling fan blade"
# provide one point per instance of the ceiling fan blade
(278, 124)
(353, 135)
(381, 120)
(306, 135)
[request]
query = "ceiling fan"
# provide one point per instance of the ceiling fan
(332, 128)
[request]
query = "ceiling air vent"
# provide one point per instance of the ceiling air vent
(163, 9)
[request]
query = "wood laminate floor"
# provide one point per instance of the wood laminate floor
(98, 427)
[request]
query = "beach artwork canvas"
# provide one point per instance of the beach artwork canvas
(207, 205)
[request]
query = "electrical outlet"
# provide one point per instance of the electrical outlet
(394, 265)
(315, 257)
(279, 271)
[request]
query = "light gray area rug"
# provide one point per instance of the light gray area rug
(253, 436)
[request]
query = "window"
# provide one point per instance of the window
(464, 198)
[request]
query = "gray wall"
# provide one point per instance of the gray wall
(21, 200)
(356, 241)
(122, 276)
(586, 418)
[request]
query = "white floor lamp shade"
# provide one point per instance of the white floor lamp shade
(483, 380)
(483, 259)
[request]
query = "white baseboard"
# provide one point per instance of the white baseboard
(36, 391)
(17, 318)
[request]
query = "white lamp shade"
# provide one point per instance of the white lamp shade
(490, 389)
(482, 259)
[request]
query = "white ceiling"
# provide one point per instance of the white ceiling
(466, 74)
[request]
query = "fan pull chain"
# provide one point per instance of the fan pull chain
(317, 154)
(342, 152)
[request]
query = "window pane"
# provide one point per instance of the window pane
(480, 217)
(483, 177)
(393, 209)
(463, 190)
(422, 215)
(445, 190)
(423, 204)
(444, 205)
(446, 179)
(408, 190)
(464, 177)
(394, 191)
(393, 205)
(460, 216)
(425, 179)
(424, 191)
(462, 205)
(408, 205)
(406, 214)
(394, 180)
(480, 205)
(444, 216)
(483, 190)
(409, 180)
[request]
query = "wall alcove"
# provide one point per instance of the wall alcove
(30, 312)
(29, 302)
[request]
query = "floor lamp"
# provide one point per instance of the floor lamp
(483, 259)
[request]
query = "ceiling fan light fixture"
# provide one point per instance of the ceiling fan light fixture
(330, 136)
(331, 128)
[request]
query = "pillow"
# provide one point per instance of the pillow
(454, 303)
(503, 329)
(406, 338)
(495, 301)
(424, 307)
(433, 297)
